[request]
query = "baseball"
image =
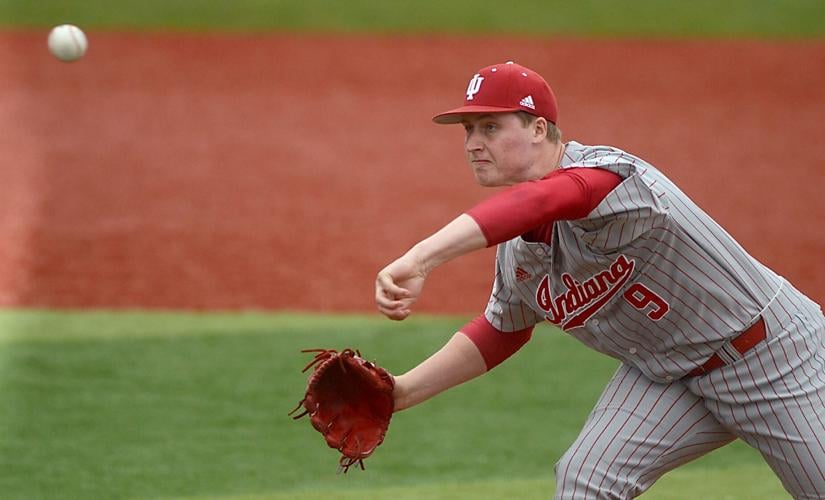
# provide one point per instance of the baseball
(67, 42)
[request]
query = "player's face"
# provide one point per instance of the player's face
(498, 148)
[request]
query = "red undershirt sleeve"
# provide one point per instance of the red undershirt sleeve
(565, 194)
(495, 346)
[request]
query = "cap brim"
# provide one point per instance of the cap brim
(455, 115)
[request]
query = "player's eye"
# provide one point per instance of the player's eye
(490, 127)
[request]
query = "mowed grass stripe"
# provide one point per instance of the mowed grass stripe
(50, 325)
(165, 405)
(596, 18)
(736, 482)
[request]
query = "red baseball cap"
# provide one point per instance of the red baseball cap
(502, 88)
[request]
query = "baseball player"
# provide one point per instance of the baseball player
(713, 345)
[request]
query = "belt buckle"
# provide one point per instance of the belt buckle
(742, 343)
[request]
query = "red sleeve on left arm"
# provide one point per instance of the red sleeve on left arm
(566, 194)
(494, 346)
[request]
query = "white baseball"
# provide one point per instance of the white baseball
(67, 42)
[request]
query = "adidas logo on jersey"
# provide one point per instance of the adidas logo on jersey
(522, 275)
(527, 102)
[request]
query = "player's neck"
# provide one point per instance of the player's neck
(550, 159)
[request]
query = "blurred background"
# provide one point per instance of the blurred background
(215, 184)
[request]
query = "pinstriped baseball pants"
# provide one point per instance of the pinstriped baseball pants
(771, 398)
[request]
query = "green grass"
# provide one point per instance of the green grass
(600, 18)
(132, 405)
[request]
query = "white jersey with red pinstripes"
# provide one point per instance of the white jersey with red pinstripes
(647, 277)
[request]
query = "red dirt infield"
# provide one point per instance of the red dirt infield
(276, 172)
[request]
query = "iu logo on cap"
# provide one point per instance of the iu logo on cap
(474, 86)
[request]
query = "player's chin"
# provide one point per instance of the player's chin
(485, 179)
(480, 172)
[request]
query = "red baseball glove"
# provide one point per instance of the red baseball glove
(349, 401)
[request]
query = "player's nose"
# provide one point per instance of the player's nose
(473, 142)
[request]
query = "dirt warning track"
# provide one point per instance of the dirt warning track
(275, 172)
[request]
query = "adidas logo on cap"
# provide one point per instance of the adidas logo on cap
(527, 102)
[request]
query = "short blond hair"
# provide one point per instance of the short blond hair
(553, 132)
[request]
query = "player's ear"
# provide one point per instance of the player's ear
(539, 129)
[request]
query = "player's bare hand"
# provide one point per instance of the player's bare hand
(398, 286)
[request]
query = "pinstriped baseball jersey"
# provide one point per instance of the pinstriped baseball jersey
(647, 277)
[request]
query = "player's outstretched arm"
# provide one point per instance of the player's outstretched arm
(457, 362)
(399, 285)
